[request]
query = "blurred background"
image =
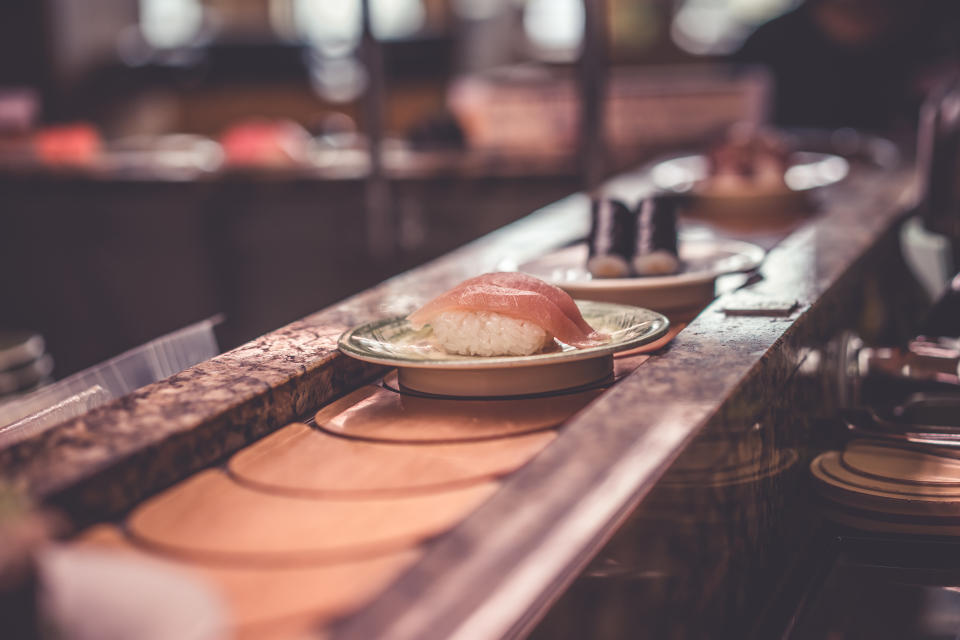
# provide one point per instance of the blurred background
(164, 161)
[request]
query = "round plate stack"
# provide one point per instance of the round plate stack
(24, 365)
(893, 488)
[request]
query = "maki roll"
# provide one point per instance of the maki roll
(611, 239)
(655, 241)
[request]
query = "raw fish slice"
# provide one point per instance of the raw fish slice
(514, 280)
(515, 303)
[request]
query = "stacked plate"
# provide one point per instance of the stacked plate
(24, 364)
(897, 477)
(882, 487)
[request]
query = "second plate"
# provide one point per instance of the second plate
(704, 259)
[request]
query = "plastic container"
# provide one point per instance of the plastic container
(75, 395)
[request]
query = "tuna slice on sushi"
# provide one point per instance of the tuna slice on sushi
(504, 314)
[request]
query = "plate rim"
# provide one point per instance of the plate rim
(804, 157)
(758, 255)
(501, 362)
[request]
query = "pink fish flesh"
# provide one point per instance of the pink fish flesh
(519, 296)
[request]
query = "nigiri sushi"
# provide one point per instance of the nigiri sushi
(501, 314)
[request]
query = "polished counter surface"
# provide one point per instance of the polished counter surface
(741, 390)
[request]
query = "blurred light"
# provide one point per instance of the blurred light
(818, 173)
(335, 27)
(338, 79)
(719, 27)
(707, 28)
(757, 11)
(679, 174)
(554, 27)
(395, 19)
(170, 23)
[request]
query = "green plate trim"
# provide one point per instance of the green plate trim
(394, 343)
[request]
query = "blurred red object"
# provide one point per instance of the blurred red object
(266, 143)
(72, 144)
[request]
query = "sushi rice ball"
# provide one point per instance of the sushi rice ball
(485, 333)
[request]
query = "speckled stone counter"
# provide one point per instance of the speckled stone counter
(726, 379)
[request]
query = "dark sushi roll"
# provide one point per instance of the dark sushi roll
(611, 239)
(655, 246)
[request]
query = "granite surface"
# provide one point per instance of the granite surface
(102, 462)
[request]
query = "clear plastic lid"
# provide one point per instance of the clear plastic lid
(33, 413)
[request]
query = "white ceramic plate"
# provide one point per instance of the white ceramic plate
(808, 170)
(427, 368)
(747, 209)
(394, 343)
(704, 259)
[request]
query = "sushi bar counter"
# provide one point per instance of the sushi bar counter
(312, 498)
(219, 242)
